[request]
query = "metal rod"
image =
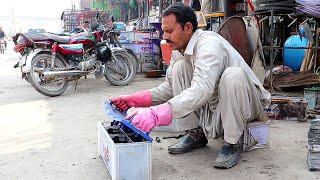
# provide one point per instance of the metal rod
(283, 37)
(292, 22)
(304, 22)
(263, 19)
(316, 45)
(271, 49)
(278, 47)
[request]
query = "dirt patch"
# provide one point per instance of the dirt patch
(269, 170)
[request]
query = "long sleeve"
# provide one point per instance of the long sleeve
(164, 92)
(209, 63)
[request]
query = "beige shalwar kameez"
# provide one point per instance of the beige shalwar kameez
(210, 85)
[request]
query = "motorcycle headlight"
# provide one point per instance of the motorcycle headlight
(104, 53)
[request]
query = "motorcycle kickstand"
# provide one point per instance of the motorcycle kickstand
(76, 84)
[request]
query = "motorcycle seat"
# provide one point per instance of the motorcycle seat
(49, 37)
(59, 39)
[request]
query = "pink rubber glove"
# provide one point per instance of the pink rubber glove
(146, 119)
(138, 99)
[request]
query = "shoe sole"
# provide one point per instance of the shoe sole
(173, 151)
(229, 164)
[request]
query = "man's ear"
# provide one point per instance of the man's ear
(189, 27)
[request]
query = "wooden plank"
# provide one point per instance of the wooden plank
(294, 79)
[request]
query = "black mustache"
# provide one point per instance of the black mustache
(168, 41)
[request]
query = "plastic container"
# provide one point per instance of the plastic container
(312, 95)
(294, 57)
(256, 135)
(125, 150)
(166, 51)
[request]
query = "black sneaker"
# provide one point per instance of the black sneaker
(229, 155)
(194, 138)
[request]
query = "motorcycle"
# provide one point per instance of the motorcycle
(2, 46)
(50, 69)
(113, 40)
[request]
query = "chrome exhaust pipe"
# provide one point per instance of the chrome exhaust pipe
(48, 75)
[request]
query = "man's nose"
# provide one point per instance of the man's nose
(165, 36)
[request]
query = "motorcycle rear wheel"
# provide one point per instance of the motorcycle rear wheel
(134, 57)
(120, 71)
(1, 49)
(43, 61)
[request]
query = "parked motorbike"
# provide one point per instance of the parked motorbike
(49, 71)
(2, 46)
(113, 39)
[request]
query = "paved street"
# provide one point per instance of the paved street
(56, 138)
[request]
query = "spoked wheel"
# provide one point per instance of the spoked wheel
(120, 70)
(1, 49)
(52, 87)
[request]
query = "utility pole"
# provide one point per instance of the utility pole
(12, 29)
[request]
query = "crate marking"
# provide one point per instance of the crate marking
(106, 153)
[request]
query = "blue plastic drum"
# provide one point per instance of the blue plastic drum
(294, 57)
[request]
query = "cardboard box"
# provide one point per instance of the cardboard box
(201, 19)
(287, 108)
(142, 48)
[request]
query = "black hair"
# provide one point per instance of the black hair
(183, 14)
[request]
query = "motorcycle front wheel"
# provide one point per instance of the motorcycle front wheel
(1, 49)
(53, 87)
(120, 69)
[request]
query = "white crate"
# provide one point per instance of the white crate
(256, 135)
(124, 160)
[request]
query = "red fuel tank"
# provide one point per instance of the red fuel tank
(84, 38)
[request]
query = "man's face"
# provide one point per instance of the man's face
(176, 35)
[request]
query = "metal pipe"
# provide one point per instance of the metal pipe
(278, 47)
(304, 22)
(52, 74)
(226, 9)
(292, 22)
(316, 45)
(271, 49)
(263, 19)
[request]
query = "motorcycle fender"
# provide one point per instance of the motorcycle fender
(118, 49)
(25, 61)
(22, 60)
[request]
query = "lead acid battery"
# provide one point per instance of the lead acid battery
(124, 149)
